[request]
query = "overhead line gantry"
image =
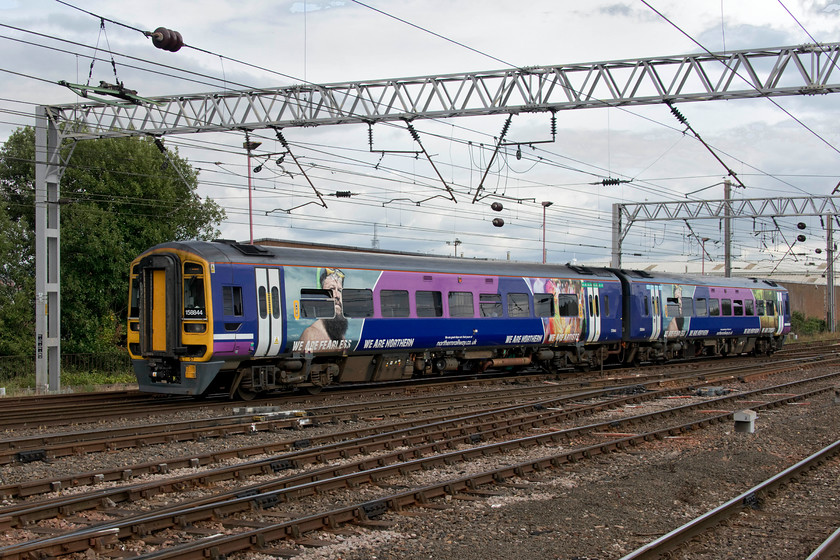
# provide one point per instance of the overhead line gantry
(799, 70)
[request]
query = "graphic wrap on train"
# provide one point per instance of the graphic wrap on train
(244, 319)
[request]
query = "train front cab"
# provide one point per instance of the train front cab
(170, 328)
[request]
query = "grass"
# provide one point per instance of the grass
(816, 337)
(71, 381)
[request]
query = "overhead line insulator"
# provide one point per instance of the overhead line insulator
(167, 39)
(610, 182)
(677, 115)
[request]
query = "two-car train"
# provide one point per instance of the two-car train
(223, 316)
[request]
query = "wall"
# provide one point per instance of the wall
(810, 299)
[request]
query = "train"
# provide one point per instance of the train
(243, 319)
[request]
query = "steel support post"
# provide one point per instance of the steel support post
(615, 262)
(829, 273)
(727, 229)
(47, 243)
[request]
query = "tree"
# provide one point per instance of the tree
(118, 196)
(17, 288)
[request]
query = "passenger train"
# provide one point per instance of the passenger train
(245, 319)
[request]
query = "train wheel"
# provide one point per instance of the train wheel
(245, 394)
(314, 389)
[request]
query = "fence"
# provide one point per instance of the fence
(12, 367)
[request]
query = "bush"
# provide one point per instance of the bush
(805, 326)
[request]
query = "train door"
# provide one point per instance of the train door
(270, 312)
(784, 315)
(781, 313)
(159, 279)
(593, 313)
(655, 311)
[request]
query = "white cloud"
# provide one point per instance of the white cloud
(305, 7)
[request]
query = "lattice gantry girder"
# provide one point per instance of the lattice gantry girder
(808, 69)
(717, 209)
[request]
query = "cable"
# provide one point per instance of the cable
(454, 167)
(770, 99)
(800, 25)
(389, 15)
(130, 27)
(145, 33)
(439, 36)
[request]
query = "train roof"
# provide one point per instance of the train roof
(229, 251)
(642, 276)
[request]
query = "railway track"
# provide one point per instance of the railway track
(51, 411)
(400, 453)
(793, 506)
(40, 447)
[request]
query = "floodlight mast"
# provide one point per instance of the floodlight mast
(804, 69)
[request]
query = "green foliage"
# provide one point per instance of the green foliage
(92, 379)
(17, 286)
(119, 196)
(803, 326)
(78, 381)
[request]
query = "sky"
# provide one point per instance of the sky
(396, 202)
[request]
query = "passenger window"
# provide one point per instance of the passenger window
(771, 307)
(357, 303)
(714, 307)
(738, 308)
(262, 302)
(646, 309)
(232, 300)
(544, 305)
(275, 302)
(749, 307)
(461, 304)
(567, 305)
(194, 291)
(759, 303)
(701, 305)
(429, 304)
(134, 305)
(518, 305)
(313, 303)
(606, 305)
(687, 307)
(490, 305)
(394, 303)
(726, 307)
(672, 308)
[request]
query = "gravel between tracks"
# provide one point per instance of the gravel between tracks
(606, 507)
(600, 508)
